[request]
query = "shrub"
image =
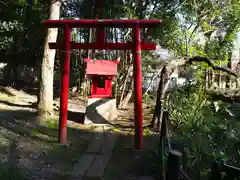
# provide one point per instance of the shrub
(203, 126)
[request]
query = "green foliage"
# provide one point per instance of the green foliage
(21, 31)
(8, 29)
(203, 126)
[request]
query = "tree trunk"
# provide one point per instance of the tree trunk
(229, 66)
(129, 73)
(161, 94)
(127, 98)
(45, 102)
(158, 107)
(152, 80)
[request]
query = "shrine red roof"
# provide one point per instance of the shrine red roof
(101, 67)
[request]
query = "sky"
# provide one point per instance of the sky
(236, 50)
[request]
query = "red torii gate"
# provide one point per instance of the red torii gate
(136, 46)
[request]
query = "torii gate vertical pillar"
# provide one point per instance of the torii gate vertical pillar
(137, 63)
(65, 69)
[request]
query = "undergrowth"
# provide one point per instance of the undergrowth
(206, 128)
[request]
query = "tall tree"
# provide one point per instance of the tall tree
(45, 99)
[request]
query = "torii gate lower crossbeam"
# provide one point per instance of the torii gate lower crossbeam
(135, 46)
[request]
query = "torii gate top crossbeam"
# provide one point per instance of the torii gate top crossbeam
(100, 24)
(111, 23)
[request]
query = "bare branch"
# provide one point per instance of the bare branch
(183, 61)
(211, 64)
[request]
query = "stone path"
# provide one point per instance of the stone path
(96, 157)
(146, 178)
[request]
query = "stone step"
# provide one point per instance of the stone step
(98, 166)
(96, 144)
(83, 165)
(146, 178)
(108, 143)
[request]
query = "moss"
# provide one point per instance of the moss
(51, 123)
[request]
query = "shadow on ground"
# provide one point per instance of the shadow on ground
(30, 151)
(77, 117)
(91, 113)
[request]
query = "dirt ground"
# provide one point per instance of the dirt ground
(31, 152)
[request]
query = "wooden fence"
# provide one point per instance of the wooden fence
(221, 81)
